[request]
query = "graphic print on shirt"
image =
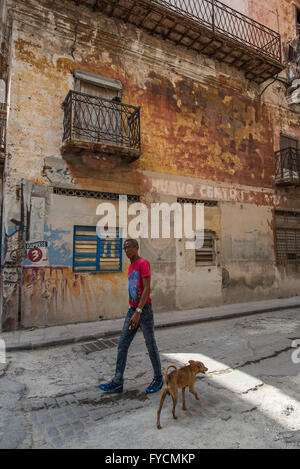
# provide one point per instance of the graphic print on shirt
(133, 281)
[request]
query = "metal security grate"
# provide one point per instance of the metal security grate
(285, 214)
(94, 119)
(92, 253)
(287, 246)
(94, 194)
(206, 203)
(2, 128)
(98, 345)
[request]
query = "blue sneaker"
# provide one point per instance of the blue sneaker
(111, 387)
(155, 386)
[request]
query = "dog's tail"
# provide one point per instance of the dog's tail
(166, 371)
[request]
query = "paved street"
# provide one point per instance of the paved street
(248, 399)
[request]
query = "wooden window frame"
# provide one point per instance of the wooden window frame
(98, 259)
(211, 235)
(295, 139)
(108, 119)
(97, 80)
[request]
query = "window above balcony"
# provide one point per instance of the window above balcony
(100, 127)
(208, 27)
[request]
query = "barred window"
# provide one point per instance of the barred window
(94, 254)
(287, 237)
(288, 246)
(207, 254)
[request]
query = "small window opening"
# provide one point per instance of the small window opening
(207, 254)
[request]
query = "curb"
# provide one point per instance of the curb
(110, 333)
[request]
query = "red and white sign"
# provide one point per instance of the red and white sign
(35, 254)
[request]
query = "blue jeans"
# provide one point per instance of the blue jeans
(146, 323)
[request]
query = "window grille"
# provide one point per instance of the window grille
(93, 194)
(286, 215)
(207, 203)
(207, 254)
(94, 254)
(2, 127)
(287, 246)
(287, 237)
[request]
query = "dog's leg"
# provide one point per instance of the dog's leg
(183, 399)
(175, 399)
(192, 390)
(162, 398)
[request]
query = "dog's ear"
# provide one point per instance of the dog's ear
(191, 361)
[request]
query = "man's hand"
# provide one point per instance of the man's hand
(133, 323)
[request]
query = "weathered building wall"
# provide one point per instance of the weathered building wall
(212, 132)
(53, 293)
(207, 133)
(278, 15)
(4, 45)
(203, 283)
(247, 251)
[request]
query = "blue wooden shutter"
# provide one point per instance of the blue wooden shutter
(94, 254)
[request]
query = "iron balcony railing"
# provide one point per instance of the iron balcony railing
(287, 165)
(2, 129)
(222, 19)
(94, 119)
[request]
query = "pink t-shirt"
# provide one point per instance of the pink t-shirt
(136, 271)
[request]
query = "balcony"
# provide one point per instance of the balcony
(2, 128)
(101, 127)
(287, 167)
(208, 27)
(2, 135)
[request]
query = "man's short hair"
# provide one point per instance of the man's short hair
(132, 241)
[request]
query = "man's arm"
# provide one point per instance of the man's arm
(146, 292)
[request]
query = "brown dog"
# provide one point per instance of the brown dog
(179, 378)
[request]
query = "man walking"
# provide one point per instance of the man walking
(140, 314)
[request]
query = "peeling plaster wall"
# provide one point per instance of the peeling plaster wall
(197, 130)
(207, 133)
(247, 252)
(53, 294)
(3, 38)
(204, 283)
(278, 15)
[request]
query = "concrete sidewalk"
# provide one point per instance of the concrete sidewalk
(73, 333)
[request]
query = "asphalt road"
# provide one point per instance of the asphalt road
(248, 399)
